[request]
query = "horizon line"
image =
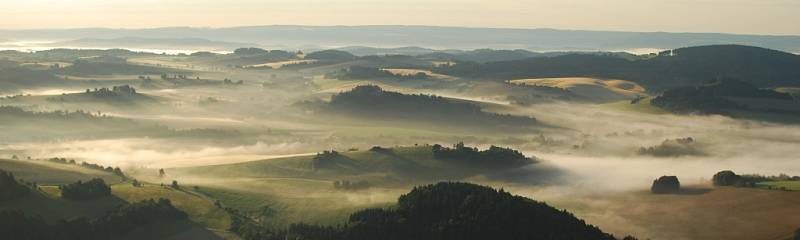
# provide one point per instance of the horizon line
(390, 25)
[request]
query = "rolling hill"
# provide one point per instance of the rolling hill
(381, 166)
(541, 39)
(205, 220)
(591, 89)
(372, 102)
(679, 67)
(732, 98)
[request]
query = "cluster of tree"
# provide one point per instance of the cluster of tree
(351, 185)
(495, 157)
(231, 82)
(361, 72)
(113, 93)
(12, 111)
(95, 67)
(263, 54)
(206, 133)
(92, 189)
(712, 97)
(730, 178)
(379, 149)
(115, 170)
(113, 225)
(372, 101)
(442, 211)
(330, 55)
(324, 159)
(169, 77)
(673, 148)
(666, 184)
(684, 66)
(66, 55)
(10, 188)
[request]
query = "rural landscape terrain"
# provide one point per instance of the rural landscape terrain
(397, 132)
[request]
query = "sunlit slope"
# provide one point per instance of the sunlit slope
(44, 172)
(589, 88)
(302, 189)
(396, 165)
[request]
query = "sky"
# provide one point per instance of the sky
(771, 17)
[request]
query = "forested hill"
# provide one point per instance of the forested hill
(372, 101)
(723, 96)
(680, 67)
(444, 211)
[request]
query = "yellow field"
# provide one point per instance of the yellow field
(593, 88)
(719, 213)
(283, 63)
(410, 72)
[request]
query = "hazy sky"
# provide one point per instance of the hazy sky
(731, 16)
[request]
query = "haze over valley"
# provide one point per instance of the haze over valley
(375, 131)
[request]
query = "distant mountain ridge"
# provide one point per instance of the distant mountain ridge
(140, 42)
(541, 39)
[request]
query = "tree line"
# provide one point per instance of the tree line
(492, 157)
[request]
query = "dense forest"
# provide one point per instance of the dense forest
(372, 101)
(92, 189)
(113, 225)
(673, 148)
(712, 97)
(494, 157)
(447, 210)
(330, 55)
(360, 72)
(109, 65)
(684, 66)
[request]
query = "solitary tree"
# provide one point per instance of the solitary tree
(161, 172)
(175, 184)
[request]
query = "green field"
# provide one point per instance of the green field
(780, 185)
(290, 190)
(400, 165)
(200, 208)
